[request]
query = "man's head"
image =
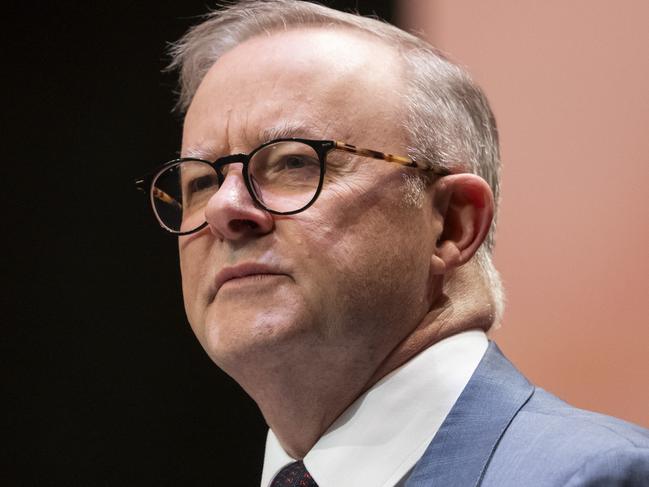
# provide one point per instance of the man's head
(387, 252)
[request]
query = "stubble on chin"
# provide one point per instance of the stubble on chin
(257, 331)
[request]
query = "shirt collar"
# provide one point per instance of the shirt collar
(380, 437)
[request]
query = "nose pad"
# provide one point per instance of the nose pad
(231, 213)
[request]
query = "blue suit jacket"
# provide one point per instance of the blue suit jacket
(503, 431)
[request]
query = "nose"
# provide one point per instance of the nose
(231, 213)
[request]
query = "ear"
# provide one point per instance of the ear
(466, 205)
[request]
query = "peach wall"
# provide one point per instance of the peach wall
(569, 83)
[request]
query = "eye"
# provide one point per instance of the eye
(285, 162)
(202, 183)
(296, 162)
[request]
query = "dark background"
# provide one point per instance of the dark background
(103, 382)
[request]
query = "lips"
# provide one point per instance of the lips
(241, 270)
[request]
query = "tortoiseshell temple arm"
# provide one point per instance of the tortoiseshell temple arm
(159, 194)
(162, 196)
(405, 161)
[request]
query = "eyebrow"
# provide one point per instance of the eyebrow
(206, 153)
(284, 130)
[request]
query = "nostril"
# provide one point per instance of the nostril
(242, 225)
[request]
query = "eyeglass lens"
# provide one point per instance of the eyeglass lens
(284, 177)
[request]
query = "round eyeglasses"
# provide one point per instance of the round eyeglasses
(283, 176)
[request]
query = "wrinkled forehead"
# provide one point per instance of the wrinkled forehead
(330, 82)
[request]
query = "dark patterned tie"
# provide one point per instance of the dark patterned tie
(293, 475)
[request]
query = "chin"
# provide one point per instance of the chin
(252, 338)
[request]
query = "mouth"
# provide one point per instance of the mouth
(243, 274)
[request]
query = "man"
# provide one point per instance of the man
(334, 204)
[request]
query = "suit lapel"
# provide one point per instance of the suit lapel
(462, 447)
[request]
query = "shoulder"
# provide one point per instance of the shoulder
(503, 431)
(614, 467)
(550, 442)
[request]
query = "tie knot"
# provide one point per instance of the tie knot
(294, 475)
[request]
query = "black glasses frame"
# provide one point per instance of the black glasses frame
(321, 147)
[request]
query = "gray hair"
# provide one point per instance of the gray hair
(449, 122)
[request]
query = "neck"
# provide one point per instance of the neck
(300, 402)
(464, 304)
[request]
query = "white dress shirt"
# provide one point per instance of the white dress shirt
(380, 437)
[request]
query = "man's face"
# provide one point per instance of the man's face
(342, 283)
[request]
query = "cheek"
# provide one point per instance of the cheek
(344, 247)
(374, 235)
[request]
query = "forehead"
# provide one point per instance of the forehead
(329, 83)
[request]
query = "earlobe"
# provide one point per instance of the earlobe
(465, 203)
(437, 265)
